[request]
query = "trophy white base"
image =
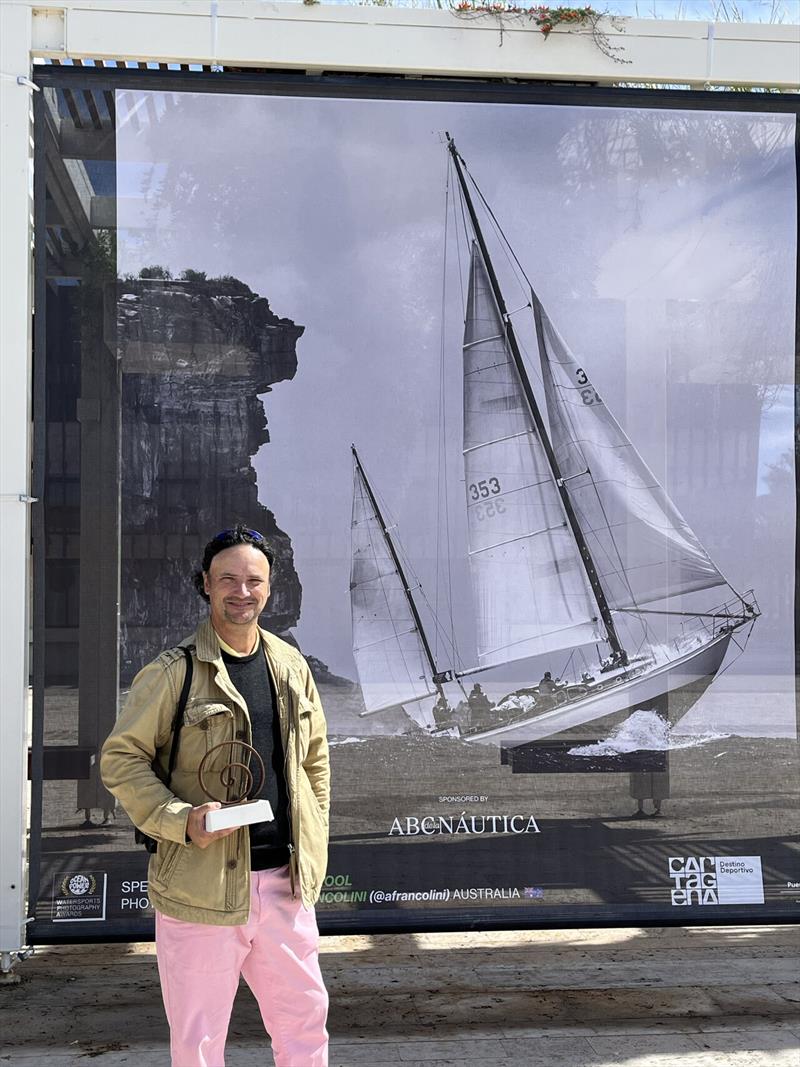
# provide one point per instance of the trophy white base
(239, 815)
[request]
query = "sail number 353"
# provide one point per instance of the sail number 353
(588, 394)
(484, 489)
(481, 493)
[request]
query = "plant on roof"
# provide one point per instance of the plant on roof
(546, 19)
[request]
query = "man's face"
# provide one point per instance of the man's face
(237, 584)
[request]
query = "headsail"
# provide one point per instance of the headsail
(642, 547)
(388, 649)
(530, 588)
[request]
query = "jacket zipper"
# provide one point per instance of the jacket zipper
(294, 868)
(294, 824)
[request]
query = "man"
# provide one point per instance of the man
(479, 707)
(240, 900)
(546, 683)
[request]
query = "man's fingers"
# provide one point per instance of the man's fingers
(197, 825)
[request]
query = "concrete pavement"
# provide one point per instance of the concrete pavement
(700, 997)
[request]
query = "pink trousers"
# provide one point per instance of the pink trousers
(277, 952)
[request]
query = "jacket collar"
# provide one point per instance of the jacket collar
(208, 650)
(206, 643)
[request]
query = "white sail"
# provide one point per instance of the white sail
(642, 547)
(531, 591)
(390, 658)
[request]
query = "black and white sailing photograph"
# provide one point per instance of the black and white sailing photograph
(511, 389)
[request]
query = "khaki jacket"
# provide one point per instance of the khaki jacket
(212, 885)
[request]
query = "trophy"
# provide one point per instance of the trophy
(239, 786)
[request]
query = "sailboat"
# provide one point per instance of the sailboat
(568, 531)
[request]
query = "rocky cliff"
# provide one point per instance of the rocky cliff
(196, 355)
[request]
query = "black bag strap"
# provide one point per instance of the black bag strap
(177, 722)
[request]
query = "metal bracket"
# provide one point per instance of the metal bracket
(22, 79)
(7, 961)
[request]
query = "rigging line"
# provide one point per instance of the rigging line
(498, 227)
(455, 654)
(443, 424)
(614, 542)
(742, 648)
(504, 242)
(529, 362)
(420, 590)
(504, 246)
(467, 242)
(440, 442)
(684, 614)
(383, 588)
(456, 239)
(566, 665)
(657, 485)
(572, 427)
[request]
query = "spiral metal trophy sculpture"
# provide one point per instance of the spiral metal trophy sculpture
(235, 777)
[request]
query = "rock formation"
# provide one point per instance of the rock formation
(196, 355)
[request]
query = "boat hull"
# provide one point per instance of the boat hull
(670, 689)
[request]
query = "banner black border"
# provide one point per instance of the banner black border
(350, 86)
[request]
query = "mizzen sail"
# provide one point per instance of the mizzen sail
(530, 587)
(389, 653)
(642, 547)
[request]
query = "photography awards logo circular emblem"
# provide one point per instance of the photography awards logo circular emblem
(78, 885)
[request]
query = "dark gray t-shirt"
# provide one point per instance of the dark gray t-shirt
(250, 675)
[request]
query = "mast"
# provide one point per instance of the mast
(617, 648)
(436, 676)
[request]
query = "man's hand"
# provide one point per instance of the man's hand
(196, 825)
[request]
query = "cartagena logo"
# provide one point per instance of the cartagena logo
(716, 880)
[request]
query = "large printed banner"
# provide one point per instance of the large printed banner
(510, 388)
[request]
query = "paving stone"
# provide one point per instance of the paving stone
(600, 1006)
(394, 1016)
(625, 1048)
(672, 1025)
(589, 998)
(788, 990)
(749, 1022)
(551, 1028)
(466, 1050)
(748, 1041)
(762, 1000)
(551, 1051)
(493, 1062)
(365, 1052)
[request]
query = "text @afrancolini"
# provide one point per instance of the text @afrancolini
(338, 889)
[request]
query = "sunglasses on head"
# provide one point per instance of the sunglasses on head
(229, 533)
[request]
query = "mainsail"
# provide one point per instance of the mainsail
(642, 547)
(530, 587)
(388, 649)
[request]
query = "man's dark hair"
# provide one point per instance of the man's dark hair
(237, 535)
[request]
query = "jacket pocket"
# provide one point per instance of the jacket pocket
(206, 723)
(313, 844)
(166, 861)
(304, 712)
(199, 711)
